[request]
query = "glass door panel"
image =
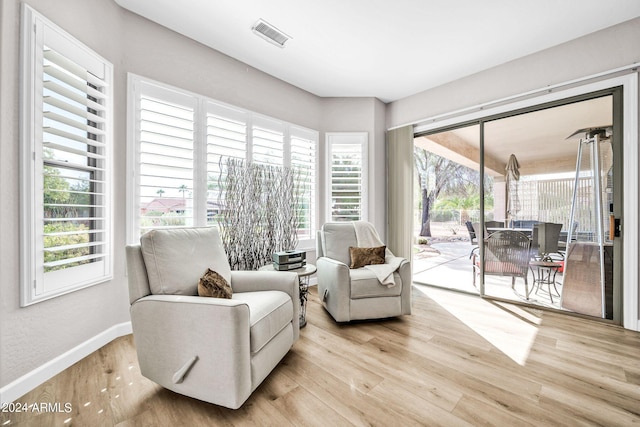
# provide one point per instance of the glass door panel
(446, 206)
(557, 191)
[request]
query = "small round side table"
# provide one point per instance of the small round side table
(303, 283)
(551, 269)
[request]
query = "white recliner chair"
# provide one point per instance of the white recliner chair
(357, 294)
(213, 349)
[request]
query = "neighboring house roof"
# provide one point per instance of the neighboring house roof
(165, 204)
(172, 204)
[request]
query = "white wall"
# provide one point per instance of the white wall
(601, 51)
(36, 334)
(33, 336)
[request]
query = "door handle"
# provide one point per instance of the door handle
(614, 227)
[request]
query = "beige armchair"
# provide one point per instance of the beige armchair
(212, 349)
(356, 294)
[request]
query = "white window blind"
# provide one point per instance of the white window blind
(166, 162)
(303, 160)
(178, 143)
(267, 142)
(226, 137)
(66, 125)
(347, 176)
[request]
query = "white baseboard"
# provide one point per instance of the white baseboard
(29, 381)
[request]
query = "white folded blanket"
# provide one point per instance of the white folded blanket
(367, 237)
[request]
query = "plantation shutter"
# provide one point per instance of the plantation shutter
(303, 159)
(179, 144)
(226, 137)
(67, 162)
(73, 164)
(166, 160)
(267, 142)
(347, 162)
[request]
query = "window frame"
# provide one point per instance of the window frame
(36, 284)
(348, 138)
(133, 147)
(204, 108)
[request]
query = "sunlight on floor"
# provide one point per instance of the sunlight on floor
(510, 329)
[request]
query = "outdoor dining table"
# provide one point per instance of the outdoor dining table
(525, 230)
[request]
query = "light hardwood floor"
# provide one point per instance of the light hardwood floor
(458, 360)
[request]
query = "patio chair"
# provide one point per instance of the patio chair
(506, 253)
(472, 233)
(477, 227)
(548, 240)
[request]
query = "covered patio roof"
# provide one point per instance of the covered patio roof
(538, 139)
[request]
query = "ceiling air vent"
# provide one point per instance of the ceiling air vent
(270, 33)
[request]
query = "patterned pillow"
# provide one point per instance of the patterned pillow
(366, 256)
(214, 285)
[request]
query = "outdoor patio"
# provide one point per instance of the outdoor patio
(445, 262)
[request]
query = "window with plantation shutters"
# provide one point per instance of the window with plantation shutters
(303, 160)
(179, 143)
(347, 176)
(66, 143)
(267, 142)
(226, 137)
(165, 158)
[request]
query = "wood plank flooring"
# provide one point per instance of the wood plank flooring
(457, 361)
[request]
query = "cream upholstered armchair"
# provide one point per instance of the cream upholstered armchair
(358, 293)
(213, 349)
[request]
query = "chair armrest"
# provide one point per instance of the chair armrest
(170, 330)
(332, 262)
(406, 275)
(137, 278)
(191, 299)
(285, 281)
(252, 281)
(332, 272)
(334, 279)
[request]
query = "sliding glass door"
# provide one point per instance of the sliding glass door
(558, 193)
(446, 204)
(523, 206)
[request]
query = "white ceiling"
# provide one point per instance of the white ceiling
(382, 48)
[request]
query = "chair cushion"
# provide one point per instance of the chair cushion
(269, 313)
(366, 256)
(365, 284)
(337, 237)
(176, 258)
(504, 267)
(214, 285)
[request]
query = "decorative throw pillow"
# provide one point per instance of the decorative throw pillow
(214, 285)
(366, 256)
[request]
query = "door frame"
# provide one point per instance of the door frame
(628, 81)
